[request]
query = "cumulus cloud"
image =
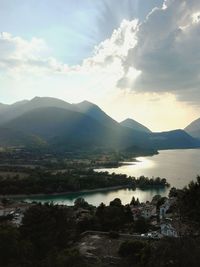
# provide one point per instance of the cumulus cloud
(27, 67)
(160, 54)
(167, 51)
(115, 49)
(19, 55)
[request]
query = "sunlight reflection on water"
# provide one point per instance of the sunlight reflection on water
(179, 167)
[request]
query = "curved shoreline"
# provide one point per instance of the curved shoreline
(111, 188)
(15, 196)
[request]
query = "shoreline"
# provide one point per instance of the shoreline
(16, 196)
(111, 188)
(125, 162)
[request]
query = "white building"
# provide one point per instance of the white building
(164, 208)
(168, 230)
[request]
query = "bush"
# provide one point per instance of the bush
(132, 249)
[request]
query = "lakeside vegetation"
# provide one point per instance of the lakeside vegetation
(29, 171)
(189, 201)
(39, 181)
(19, 156)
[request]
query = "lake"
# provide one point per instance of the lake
(179, 167)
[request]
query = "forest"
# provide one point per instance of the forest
(38, 181)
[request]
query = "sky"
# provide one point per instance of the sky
(136, 59)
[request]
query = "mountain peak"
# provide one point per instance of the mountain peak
(128, 120)
(130, 123)
(194, 128)
(94, 111)
(49, 101)
(45, 98)
(86, 104)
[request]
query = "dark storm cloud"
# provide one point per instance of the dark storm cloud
(168, 51)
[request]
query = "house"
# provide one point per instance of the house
(168, 230)
(144, 210)
(148, 211)
(164, 208)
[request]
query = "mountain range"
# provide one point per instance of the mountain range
(45, 121)
(135, 125)
(194, 128)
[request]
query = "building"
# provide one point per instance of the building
(148, 211)
(144, 210)
(168, 230)
(164, 208)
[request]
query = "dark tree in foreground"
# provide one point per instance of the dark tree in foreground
(172, 252)
(47, 227)
(134, 251)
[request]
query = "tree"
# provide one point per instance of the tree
(173, 192)
(175, 252)
(128, 214)
(69, 257)
(160, 202)
(133, 250)
(156, 198)
(81, 203)
(141, 225)
(100, 210)
(47, 227)
(9, 245)
(116, 202)
(133, 202)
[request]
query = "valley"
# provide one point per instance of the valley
(49, 146)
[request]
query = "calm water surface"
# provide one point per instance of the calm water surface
(178, 166)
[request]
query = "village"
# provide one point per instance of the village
(162, 217)
(100, 232)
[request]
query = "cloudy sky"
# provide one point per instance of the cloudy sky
(134, 58)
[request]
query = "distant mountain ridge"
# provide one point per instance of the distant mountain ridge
(71, 128)
(94, 112)
(83, 125)
(174, 139)
(194, 128)
(19, 108)
(86, 107)
(135, 125)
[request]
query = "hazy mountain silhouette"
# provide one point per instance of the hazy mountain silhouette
(66, 127)
(84, 125)
(2, 107)
(95, 112)
(12, 137)
(173, 140)
(135, 125)
(19, 108)
(194, 128)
